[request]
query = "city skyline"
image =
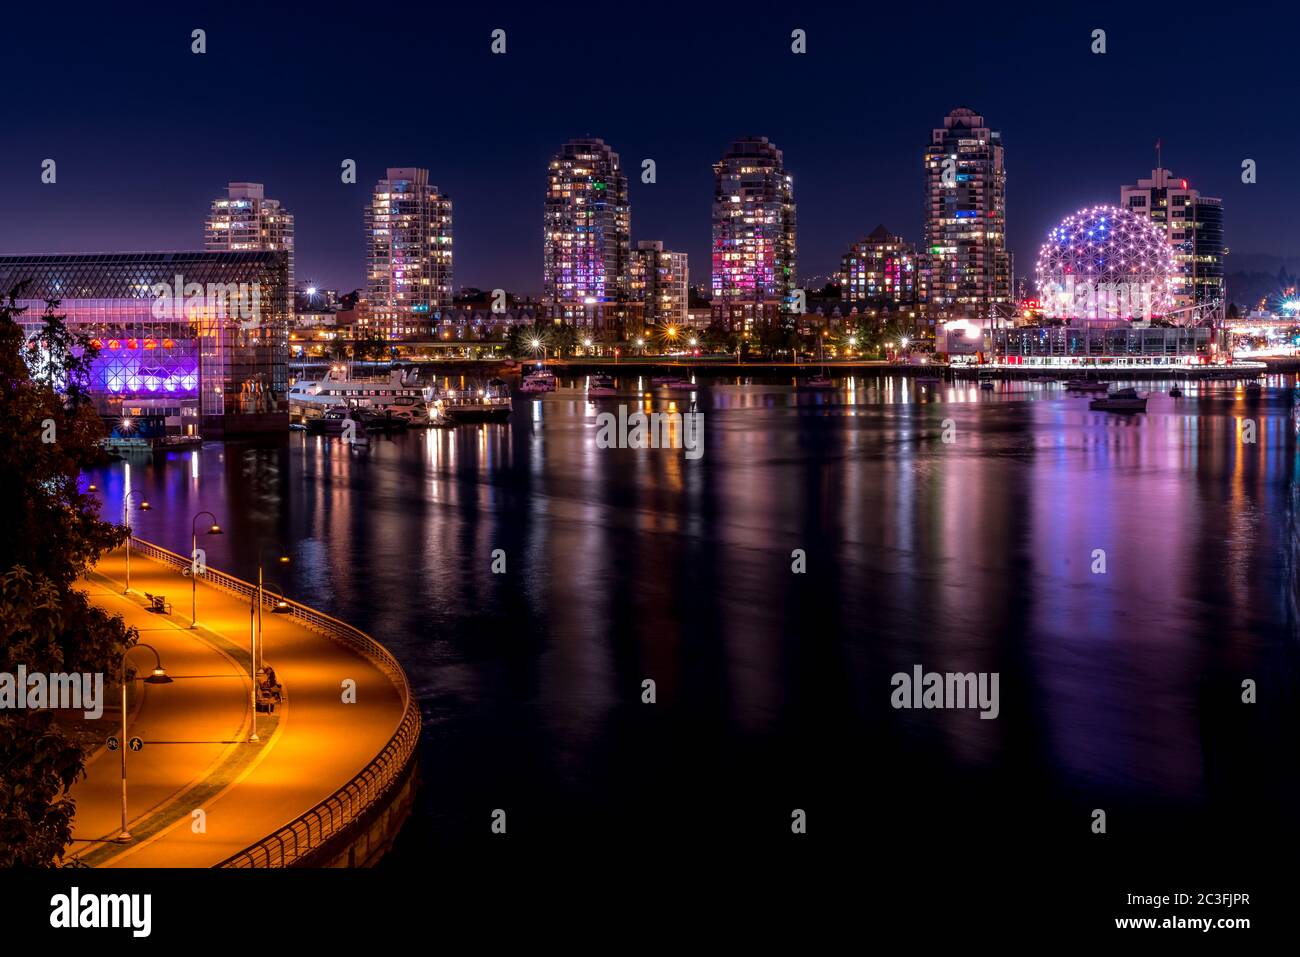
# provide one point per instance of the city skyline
(492, 149)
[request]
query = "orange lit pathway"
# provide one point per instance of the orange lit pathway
(195, 756)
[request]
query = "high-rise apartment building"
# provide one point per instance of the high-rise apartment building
(661, 282)
(966, 267)
(586, 237)
(244, 220)
(881, 270)
(1194, 226)
(754, 247)
(408, 254)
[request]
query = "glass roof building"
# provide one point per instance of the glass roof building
(198, 338)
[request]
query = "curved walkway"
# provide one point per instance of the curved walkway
(195, 755)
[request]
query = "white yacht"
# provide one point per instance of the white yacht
(401, 392)
(539, 381)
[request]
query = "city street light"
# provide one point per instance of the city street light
(215, 529)
(158, 677)
(255, 636)
(281, 606)
(144, 507)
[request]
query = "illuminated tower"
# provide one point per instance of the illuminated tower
(660, 280)
(1193, 225)
(965, 263)
(586, 237)
(881, 270)
(753, 236)
(245, 220)
(409, 254)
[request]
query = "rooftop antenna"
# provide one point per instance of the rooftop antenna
(1158, 166)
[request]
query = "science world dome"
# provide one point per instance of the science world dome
(1106, 263)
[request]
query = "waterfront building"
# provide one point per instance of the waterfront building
(188, 342)
(880, 270)
(966, 267)
(754, 248)
(1105, 291)
(661, 282)
(244, 220)
(408, 254)
(586, 238)
(1193, 226)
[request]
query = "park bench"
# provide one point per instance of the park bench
(269, 693)
(159, 604)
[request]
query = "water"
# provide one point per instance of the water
(1119, 691)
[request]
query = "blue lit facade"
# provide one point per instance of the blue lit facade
(195, 341)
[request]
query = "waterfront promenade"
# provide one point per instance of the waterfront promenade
(196, 756)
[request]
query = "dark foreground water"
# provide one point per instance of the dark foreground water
(1118, 691)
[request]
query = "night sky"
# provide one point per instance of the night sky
(146, 133)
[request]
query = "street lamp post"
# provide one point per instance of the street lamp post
(255, 637)
(215, 529)
(159, 677)
(144, 507)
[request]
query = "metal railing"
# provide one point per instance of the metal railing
(312, 829)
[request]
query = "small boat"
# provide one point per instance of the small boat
(987, 385)
(817, 383)
(1253, 388)
(539, 381)
(333, 422)
(1086, 385)
(382, 421)
(665, 379)
(820, 382)
(601, 385)
(1175, 393)
(1119, 400)
(679, 384)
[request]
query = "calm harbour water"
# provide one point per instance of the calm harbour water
(1117, 691)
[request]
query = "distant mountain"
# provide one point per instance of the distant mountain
(1247, 289)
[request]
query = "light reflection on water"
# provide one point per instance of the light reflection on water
(973, 555)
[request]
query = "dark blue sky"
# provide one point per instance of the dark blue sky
(146, 134)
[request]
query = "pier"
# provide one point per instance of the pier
(329, 779)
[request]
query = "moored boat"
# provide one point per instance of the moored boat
(539, 381)
(1086, 385)
(332, 422)
(310, 399)
(489, 404)
(1119, 400)
(601, 385)
(817, 383)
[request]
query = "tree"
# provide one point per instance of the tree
(50, 535)
(370, 345)
(563, 339)
(338, 351)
